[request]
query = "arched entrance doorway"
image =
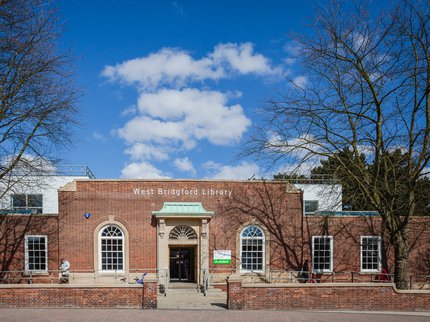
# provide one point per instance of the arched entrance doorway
(182, 243)
(182, 263)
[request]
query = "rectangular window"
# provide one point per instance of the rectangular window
(370, 253)
(36, 254)
(322, 253)
(33, 202)
(311, 206)
(112, 254)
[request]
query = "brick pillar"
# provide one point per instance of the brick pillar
(149, 296)
(234, 292)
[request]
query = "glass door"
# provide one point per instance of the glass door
(182, 264)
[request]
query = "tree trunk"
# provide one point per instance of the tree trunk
(401, 251)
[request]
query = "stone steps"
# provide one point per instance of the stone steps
(215, 299)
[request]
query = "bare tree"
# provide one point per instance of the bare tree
(367, 89)
(37, 98)
(37, 110)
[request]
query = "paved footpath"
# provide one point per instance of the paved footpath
(87, 315)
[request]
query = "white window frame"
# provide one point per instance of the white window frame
(379, 255)
(329, 270)
(310, 212)
(263, 259)
(26, 207)
(122, 238)
(27, 257)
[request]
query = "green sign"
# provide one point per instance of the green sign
(222, 256)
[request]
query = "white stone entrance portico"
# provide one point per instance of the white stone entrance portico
(182, 225)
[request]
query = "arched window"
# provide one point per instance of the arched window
(183, 232)
(252, 249)
(111, 241)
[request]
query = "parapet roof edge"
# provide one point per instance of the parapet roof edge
(292, 188)
(187, 180)
(70, 186)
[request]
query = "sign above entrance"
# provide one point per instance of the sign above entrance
(222, 256)
(202, 192)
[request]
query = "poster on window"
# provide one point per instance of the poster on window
(222, 256)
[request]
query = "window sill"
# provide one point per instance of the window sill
(111, 273)
(36, 273)
(248, 272)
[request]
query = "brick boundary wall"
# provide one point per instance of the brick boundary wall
(150, 291)
(79, 296)
(327, 296)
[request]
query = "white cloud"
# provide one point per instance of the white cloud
(290, 61)
(131, 110)
(169, 66)
(293, 49)
(187, 116)
(170, 116)
(367, 150)
(141, 151)
(301, 167)
(299, 147)
(359, 41)
(185, 165)
(141, 170)
(99, 137)
(145, 129)
(300, 81)
(241, 58)
(300, 154)
(178, 9)
(211, 165)
(175, 68)
(172, 120)
(242, 171)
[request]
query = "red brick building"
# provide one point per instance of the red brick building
(176, 227)
(183, 230)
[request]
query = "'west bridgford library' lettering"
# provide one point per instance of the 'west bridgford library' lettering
(208, 192)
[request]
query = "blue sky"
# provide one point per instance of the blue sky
(172, 88)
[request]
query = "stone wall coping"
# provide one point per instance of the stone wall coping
(333, 285)
(45, 286)
(412, 291)
(150, 280)
(235, 279)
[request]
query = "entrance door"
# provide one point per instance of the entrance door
(182, 264)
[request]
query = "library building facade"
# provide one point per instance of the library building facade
(200, 231)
